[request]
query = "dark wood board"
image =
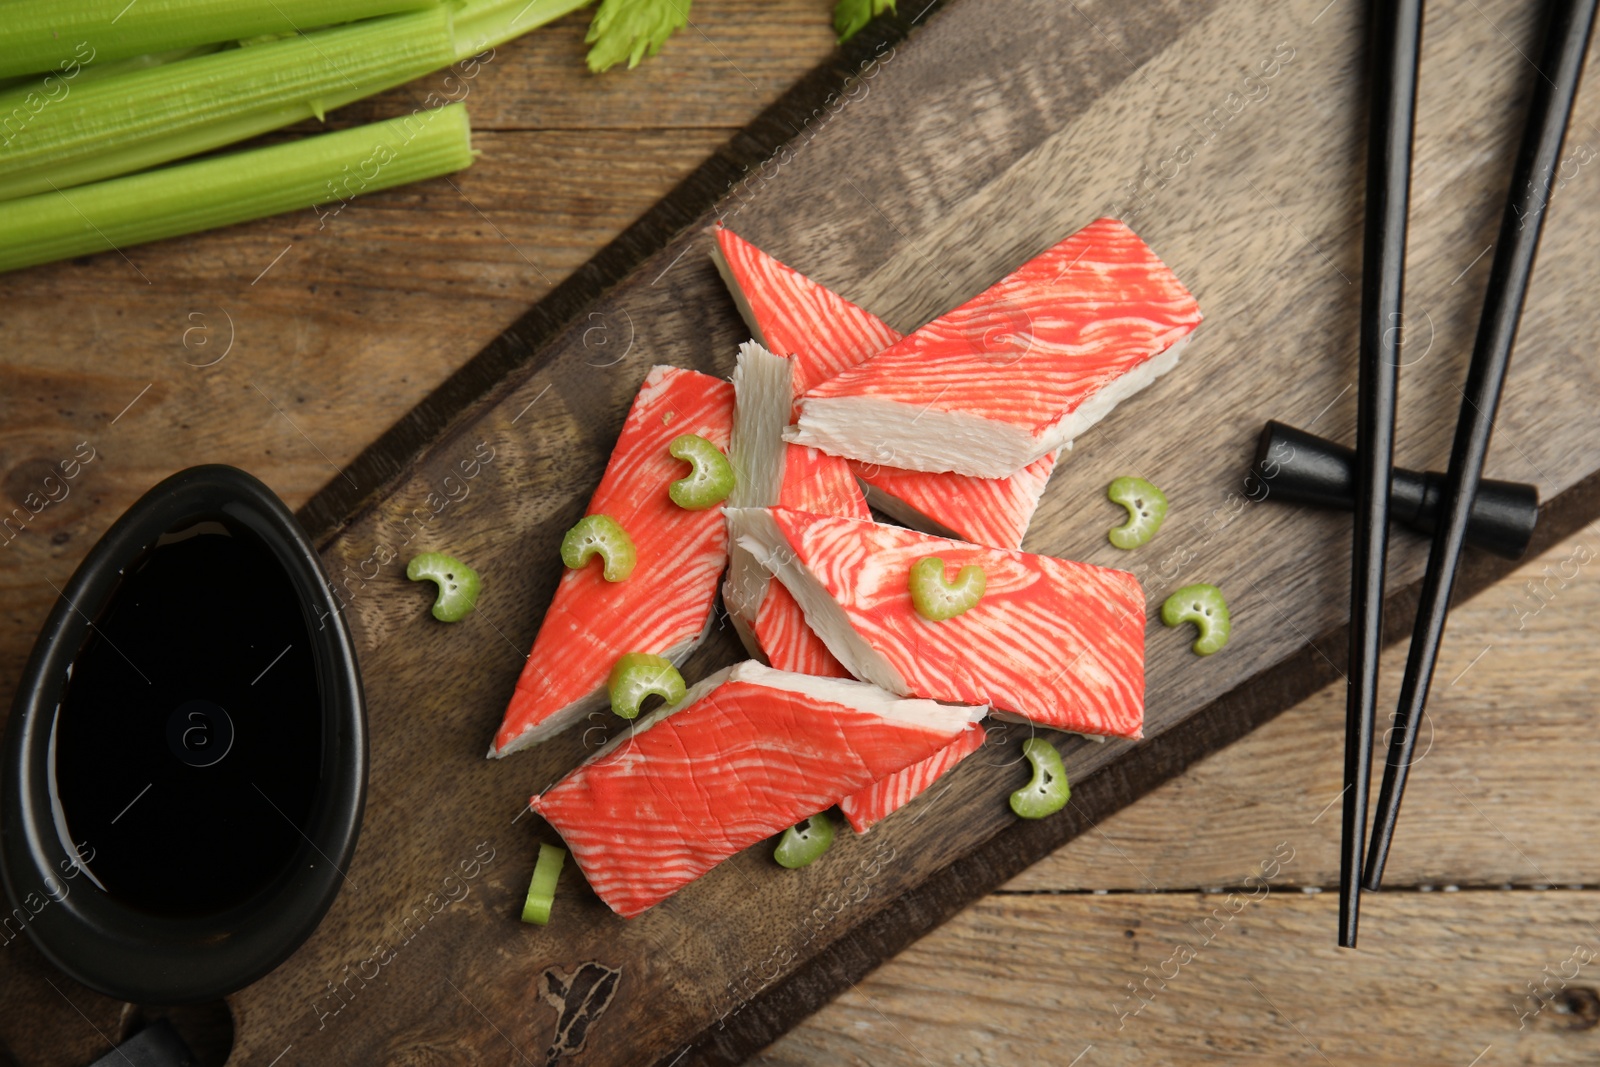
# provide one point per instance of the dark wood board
(990, 133)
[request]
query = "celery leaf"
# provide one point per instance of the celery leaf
(849, 16)
(632, 29)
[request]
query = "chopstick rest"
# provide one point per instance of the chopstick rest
(1295, 467)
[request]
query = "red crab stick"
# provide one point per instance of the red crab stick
(1016, 372)
(665, 606)
(748, 752)
(888, 795)
(1056, 642)
(825, 335)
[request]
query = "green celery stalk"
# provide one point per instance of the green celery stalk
(41, 35)
(99, 128)
(485, 24)
(116, 66)
(65, 131)
(143, 62)
(234, 188)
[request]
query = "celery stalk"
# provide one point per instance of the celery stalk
(40, 35)
(485, 24)
(144, 62)
(99, 128)
(115, 66)
(234, 188)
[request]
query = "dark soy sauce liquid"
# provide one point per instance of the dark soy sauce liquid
(188, 745)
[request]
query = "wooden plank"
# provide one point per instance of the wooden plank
(733, 61)
(320, 335)
(1490, 800)
(1439, 979)
(1507, 729)
(1510, 728)
(917, 225)
(570, 164)
(1060, 109)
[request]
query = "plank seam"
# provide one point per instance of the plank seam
(996, 861)
(522, 349)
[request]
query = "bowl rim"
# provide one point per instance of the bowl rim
(121, 951)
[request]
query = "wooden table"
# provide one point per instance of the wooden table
(284, 347)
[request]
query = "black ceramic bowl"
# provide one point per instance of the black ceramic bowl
(186, 757)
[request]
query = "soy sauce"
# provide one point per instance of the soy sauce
(188, 745)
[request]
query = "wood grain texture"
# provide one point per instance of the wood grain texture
(362, 317)
(365, 313)
(996, 129)
(1491, 805)
(355, 324)
(1022, 979)
(907, 216)
(1504, 743)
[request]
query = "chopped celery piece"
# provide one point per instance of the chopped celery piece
(632, 29)
(103, 127)
(233, 188)
(542, 889)
(40, 35)
(1202, 605)
(937, 599)
(637, 675)
(804, 841)
(1146, 506)
(602, 535)
(711, 480)
(458, 584)
(1047, 792)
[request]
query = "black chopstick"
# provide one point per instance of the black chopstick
(1555, 86)
(1395, 37)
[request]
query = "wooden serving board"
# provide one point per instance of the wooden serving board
(1229, 135)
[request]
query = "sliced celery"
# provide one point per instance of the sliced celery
(935, 597)
(1048, 791)
(459, 586)
(82, 131)
(226, 189)
(850, 17)
(1204, 606)
(710, 478)
(41, 35)
(542, 886)
(803, 842)
(637, 675)
(602, 535)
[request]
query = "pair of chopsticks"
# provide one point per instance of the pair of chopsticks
(1395, 37)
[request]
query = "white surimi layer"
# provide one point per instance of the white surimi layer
(763, 389)
(755, 530)
(1101, 403)
(899, 435)
(745, 310)
(909, 438)
(864, 697)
